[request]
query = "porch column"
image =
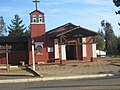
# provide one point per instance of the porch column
(56, 48)
(94, 54)
(63, 54)
(84, 49)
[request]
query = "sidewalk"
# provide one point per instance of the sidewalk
(69, 71)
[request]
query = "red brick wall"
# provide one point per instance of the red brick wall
(37, 30)
(2, 58)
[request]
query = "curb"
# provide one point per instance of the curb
(35, 73)
(55, 78)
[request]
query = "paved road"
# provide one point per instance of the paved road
(82, 84)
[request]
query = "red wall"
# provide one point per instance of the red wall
(37, 30)
(38, 57)
(38, 34)
(19, 52)
(50, 43)
(37, 13)
(2, 58)
(89, 47)
(16, 57)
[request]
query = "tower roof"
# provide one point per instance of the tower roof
(36, 11)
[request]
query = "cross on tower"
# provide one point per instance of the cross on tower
(36, 2)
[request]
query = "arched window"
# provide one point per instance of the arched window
(40, 19)
(39, 49)
(34, 20)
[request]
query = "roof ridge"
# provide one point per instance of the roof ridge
(67, 24)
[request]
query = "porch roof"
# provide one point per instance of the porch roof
(70, 30)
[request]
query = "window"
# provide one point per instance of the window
(40, 19)
(39, 49)
(34, 20)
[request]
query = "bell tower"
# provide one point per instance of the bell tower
(37, 36)
(37, 22)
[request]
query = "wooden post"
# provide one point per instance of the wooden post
(60, 50)
(77, 48)
(77, 56)
(7, 58)
(5, 50)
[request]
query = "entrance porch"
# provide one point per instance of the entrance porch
(72, 42)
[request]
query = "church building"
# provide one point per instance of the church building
(66, 43)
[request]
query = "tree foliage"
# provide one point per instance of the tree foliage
(27, 32)
(100, 40)
(110, 38)
(17, 28)
(117, 4)
(2, 26)
(118, 47)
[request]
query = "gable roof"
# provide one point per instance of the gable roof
(36, 11)
(70, 30)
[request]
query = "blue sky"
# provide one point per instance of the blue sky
(86, 13)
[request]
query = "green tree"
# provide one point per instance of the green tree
(16, 28)
(117, 4)
(118, 44)
(100, 40)
(27, 32)
(3, 29)
(110, 38)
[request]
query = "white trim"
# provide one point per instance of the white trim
(37, 23)
(50, 49)
(56, 48)
(39, 43)
(63, 52)
(94, 53)
(84, 48)
(33, 57)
